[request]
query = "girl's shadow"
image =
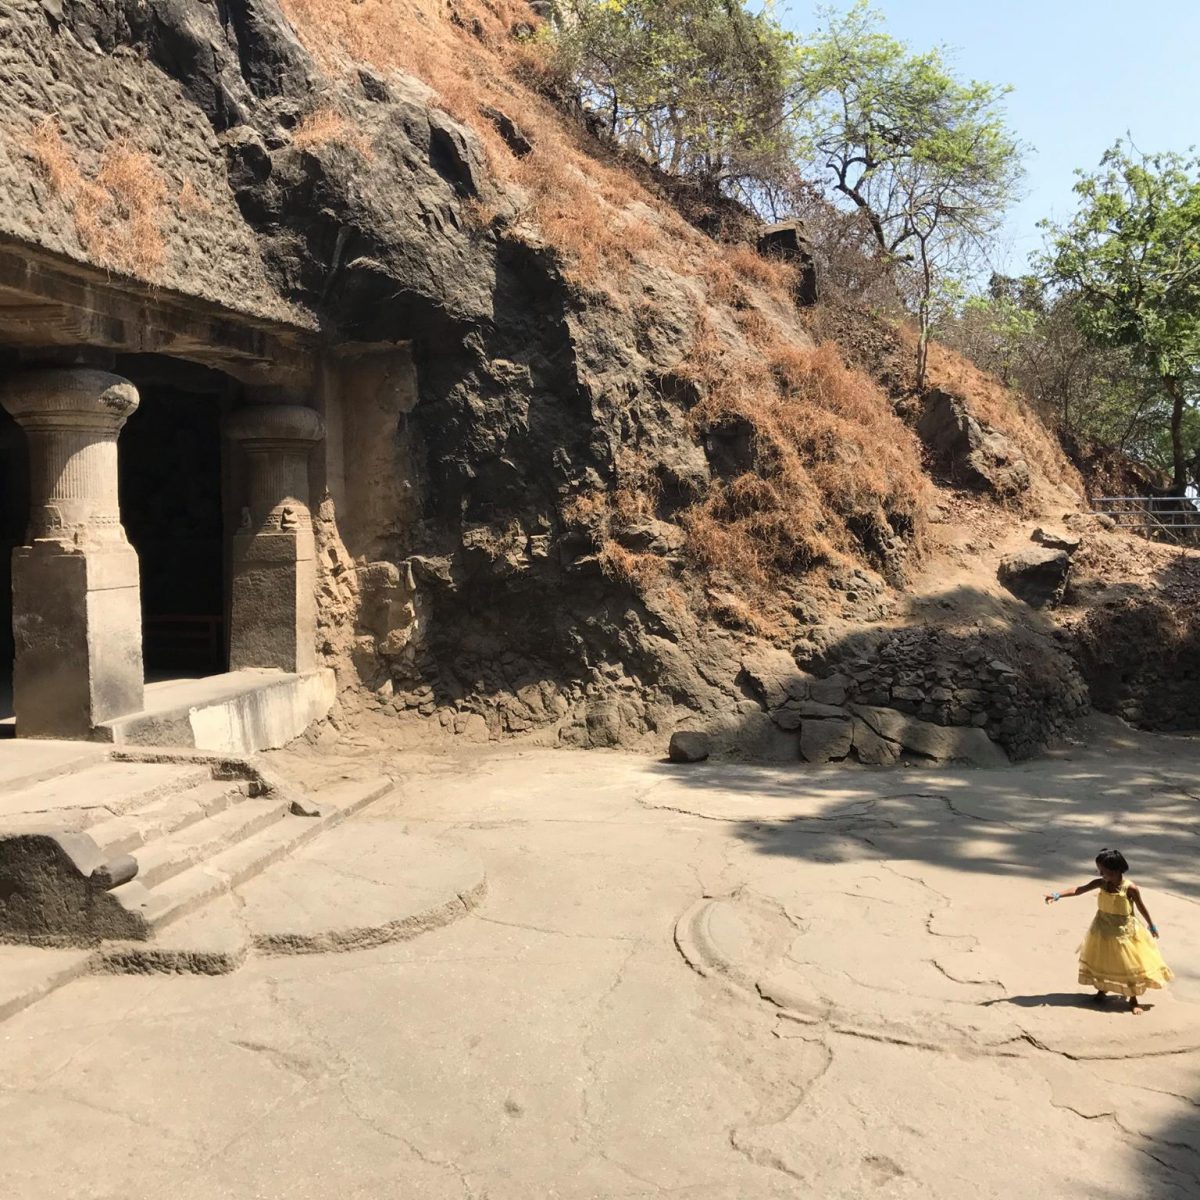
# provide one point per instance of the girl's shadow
(1111, 1004)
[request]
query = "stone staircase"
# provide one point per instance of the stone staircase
(145, 861)
(95, 849)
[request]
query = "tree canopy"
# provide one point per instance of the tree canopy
(698, 87)
(1130, 260)
(927, 160)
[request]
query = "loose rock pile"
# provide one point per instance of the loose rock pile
(930, 693)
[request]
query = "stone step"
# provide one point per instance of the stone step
(213, 940)
(360, 885)
(169, 814)
(78, 800)
(239, 712)
(199, 841)
(181, 894)
(24, 763)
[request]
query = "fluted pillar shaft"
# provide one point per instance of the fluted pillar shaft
(76, 601)
(274, 607)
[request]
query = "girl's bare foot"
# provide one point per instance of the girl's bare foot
(1135, 1007)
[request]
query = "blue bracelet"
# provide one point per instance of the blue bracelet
(1153, 928)
(1057, 896)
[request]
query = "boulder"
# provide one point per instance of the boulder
(870, 748)
(943, 743)
(824, 739)
(1037, 575)
(1056, 539)
(774, 677)
(831, 690)
(688, 745)
(969, 452)
(788, 240)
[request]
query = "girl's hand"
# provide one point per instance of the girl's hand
(1050, 897)
(1153, 929)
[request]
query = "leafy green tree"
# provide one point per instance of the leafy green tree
(697, 87)
(1030, 339)
(1130, 258)
(927, 159)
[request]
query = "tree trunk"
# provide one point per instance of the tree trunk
(923, 313)
(1178, 463)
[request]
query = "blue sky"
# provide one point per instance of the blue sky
(1083, 72)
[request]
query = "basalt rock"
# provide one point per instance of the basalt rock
(689, 746)
(1037, 575)
(968, 452)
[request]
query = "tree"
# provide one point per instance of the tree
(1030, 339)
(926, 159)
(1131, 257)
(697, 87)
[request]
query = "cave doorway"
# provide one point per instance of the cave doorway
(173, 494)
(14, 516)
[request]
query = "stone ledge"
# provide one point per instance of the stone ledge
(237, 713)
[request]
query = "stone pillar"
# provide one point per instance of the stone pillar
(273, 613)
(77, 619)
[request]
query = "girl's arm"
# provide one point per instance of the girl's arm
(1136, 896)
(1078, 891)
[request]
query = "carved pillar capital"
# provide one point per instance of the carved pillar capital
(277, 439)
(71, 417)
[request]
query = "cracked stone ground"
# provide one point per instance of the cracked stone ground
(711, 982)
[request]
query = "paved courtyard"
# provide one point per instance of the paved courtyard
(710, 982)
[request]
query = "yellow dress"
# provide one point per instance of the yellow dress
(1119, 954)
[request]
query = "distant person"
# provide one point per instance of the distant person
(1119, 954)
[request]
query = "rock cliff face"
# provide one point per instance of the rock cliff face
(560, 554)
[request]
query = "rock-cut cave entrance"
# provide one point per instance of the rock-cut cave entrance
(173, 489)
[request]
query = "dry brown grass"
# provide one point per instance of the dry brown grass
(593, 212)
(56, 159)
(635, 570)
(832, 469)
(327, 126)
(189, 199)
(118, 209)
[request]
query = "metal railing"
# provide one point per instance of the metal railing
(1160, 518)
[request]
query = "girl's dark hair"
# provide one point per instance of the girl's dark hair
(1114, 860)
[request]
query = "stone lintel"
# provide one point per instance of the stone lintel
(47, 301)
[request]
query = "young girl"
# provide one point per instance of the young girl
(1118, 955)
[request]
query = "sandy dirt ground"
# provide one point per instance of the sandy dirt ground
(712, 982)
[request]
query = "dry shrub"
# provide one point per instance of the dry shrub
(118, 210)
(57, 160)
(586, 508)
(326, 126)
(730, 610)
(771, 274)
(634, 570)
(631, 505)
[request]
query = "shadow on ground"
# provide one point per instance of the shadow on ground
(1138, 792)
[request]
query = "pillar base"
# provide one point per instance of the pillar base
(77, 625)
(273, 610)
